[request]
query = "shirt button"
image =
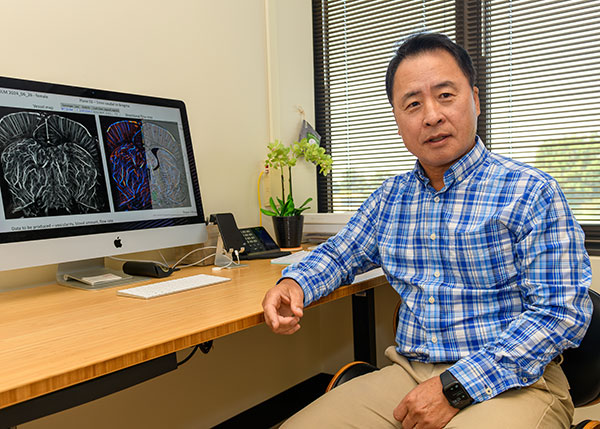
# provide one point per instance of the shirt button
(488, 391)
(431, 299)
(433, 339)
(432, 236)
(436, 274)
(524, 379)
(436, 199)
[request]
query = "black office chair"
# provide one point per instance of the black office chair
(581, 366)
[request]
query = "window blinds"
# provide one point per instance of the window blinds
(542, 104)
(537, 63)
(354, 41)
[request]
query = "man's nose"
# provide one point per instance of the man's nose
(433, 115)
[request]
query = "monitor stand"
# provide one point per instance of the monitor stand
(91, 274)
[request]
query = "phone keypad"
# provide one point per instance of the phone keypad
(253, 243)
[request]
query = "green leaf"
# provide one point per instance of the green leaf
(288, 208)
(268, 212)
(274, 207)
(308, 200)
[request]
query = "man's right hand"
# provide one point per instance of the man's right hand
(283, 306)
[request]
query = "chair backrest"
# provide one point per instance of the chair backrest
(582, 365)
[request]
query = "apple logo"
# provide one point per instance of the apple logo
(118, 243)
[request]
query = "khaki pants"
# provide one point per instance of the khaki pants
(368, 401)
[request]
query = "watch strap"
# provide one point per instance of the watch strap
(456, 394)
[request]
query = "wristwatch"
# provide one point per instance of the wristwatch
(454, 391)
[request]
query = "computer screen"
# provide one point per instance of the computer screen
(88, 173)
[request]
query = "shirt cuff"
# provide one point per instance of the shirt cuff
(304, 281)
(483, 379)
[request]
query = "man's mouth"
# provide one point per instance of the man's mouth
(437, 138)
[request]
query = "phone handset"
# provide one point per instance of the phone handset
(250, 243)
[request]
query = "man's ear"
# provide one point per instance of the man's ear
(476, 99)
(397, 123)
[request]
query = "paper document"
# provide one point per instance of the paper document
(290, 259)
(298, 256)
(375, 272)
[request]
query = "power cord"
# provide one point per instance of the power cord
(197, 262)
(231, 261)
(264, 171)
(176, 265)
(204, 348)
(165, 264)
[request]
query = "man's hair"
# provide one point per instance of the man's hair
(427, 42)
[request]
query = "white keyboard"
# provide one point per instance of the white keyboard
(167, 287)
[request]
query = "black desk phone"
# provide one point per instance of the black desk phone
(256, 241)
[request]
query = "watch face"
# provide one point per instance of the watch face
(455, 393)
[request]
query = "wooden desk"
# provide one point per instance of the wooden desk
(53, 337)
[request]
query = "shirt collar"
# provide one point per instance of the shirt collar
(461, 168)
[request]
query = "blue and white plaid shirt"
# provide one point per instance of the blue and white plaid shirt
(492, 270)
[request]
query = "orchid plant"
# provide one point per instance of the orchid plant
(281, 157)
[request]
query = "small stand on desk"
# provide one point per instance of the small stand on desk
(230, 240)
(225, 259)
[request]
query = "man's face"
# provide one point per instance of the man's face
(435, 109)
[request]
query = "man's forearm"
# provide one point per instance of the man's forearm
(519, 356)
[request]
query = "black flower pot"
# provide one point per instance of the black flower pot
(288, 230)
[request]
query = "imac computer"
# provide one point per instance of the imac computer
(86, 174)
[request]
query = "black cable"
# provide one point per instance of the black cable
(188, 356)
(204, 347)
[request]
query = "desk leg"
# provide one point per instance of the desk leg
(363, 324)
(285, 404)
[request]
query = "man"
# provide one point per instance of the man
(485, 254)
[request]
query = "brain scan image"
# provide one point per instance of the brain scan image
(50, 165)
(146, 165)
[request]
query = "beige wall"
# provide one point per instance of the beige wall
(242, 67)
